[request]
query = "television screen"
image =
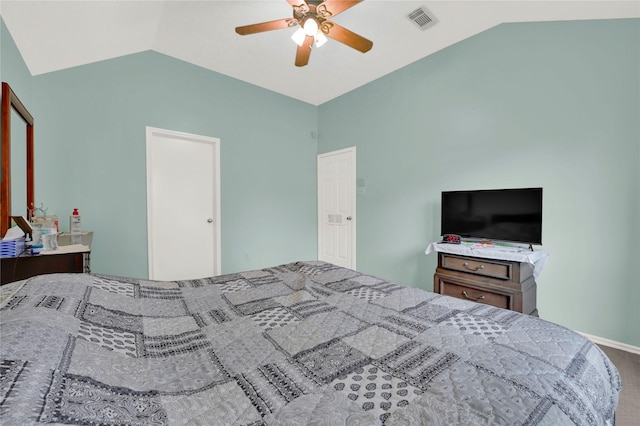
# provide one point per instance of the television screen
(494, 214)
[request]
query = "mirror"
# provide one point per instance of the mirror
(18, 176)
(14, 114)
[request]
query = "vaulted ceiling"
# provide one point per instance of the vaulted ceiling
(53, 35)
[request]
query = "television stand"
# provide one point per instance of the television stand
(494, 276)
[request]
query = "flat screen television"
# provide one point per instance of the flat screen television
(512, 215)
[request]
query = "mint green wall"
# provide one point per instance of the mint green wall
(551, 104)
(12, 68)
(91, 155)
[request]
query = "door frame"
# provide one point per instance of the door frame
(152, 132)
(354, 220)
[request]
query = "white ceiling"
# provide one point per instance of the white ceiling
(53, 35)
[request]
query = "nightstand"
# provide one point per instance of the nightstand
(73, 255)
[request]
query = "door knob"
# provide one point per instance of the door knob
(348, 217)
(210, 220)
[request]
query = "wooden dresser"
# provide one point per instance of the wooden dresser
(70, 257)
(502, 283)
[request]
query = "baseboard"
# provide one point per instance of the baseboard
(612, 343)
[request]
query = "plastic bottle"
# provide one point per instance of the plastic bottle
(28, 244)
(75, 224)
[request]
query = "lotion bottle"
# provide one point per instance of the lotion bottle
(75, 225)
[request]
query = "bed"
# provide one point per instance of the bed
(301, 343)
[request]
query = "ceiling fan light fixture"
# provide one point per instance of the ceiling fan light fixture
(299, 36)
(310, 26)
(320, 39)
(310, 17)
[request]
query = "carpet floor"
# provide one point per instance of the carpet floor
(628, 365)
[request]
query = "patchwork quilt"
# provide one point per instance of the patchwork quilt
(302, 343)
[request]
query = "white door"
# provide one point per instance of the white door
(183, 205)
(337, 207)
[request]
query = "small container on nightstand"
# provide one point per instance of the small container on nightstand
(75, 224)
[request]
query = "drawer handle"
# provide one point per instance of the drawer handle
(464, 293)
(466, 265)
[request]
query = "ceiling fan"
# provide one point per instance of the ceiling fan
(313, 19)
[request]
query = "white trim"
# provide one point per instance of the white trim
(150, 132)
(612, 343)
(352, 151)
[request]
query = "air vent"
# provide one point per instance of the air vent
(422, 18)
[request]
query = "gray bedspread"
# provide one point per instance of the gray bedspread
(303, 343)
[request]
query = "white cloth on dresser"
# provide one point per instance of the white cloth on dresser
(491, 250)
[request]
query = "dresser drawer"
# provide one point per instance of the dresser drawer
(497, 269)
(475, 294)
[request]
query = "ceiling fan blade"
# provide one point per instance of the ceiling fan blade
(300, 8)
(330, 8)
(304, 51)
(345, 36)
(266, 26)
